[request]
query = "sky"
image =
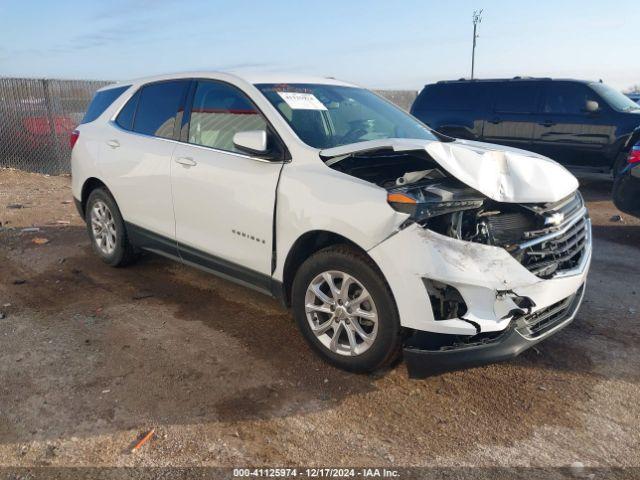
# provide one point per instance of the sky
(400, 44)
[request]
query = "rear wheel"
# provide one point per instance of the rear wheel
(345, 310)
(107, 230)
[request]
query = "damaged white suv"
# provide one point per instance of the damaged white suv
(379, 233)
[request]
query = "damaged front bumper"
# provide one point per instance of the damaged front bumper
(425, 355)
(507, 308)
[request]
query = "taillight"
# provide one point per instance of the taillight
(634, 154)
(73, 138)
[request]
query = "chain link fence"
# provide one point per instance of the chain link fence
(402, 98)
(37, 115)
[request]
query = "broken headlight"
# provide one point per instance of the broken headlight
(434, 199)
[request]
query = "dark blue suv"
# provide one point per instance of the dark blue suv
(583, 125)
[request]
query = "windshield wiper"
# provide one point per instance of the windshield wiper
(442, 137)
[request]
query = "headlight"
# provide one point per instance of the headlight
(427, 201)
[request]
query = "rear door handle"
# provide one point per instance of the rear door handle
(113, 143)
(186, 161)
(547, 123)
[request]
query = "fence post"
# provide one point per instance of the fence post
(52, 127)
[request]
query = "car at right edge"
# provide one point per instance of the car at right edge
(626, 187)
(585, 126)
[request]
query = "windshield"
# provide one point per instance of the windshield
(326, 116)
(617, 100)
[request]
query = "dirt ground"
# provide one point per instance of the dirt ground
(92, 357)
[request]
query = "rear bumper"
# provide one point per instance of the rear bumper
(424, 357)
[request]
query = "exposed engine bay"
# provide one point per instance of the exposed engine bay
(385, 168)
(499, 239)
(545, 238)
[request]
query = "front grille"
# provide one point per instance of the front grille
(542, 321)
(567, 206)
(558, 248)
(508, 228)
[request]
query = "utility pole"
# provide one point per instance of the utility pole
(477, 18)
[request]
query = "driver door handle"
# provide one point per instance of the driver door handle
(547, 123)
(186, 161)
(495, 120)
(113, 143)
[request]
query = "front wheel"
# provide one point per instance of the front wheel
(345, 310)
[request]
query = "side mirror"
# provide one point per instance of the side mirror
(591, 106)
(251, 141)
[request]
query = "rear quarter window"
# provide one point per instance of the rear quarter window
(101, 101)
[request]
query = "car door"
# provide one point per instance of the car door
(223, 198)
(568, 133)
(136, 161)
(513, 115)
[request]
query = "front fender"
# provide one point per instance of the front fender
(315, 197)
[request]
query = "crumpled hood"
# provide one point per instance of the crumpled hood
(501, 173)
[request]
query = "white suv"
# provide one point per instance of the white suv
(380, 234)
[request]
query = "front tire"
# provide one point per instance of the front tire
(107, 230)
(345, 310)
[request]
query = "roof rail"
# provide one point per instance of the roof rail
(526, 77)
(516, 78)
(480, 80)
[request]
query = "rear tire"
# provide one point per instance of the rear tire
(107, 230)
(345, 310)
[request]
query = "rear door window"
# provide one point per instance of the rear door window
(220, 111)
(157, 108)
(566, 98)
(516, 97)
(101, 101)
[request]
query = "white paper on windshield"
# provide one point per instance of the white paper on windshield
(302, 101)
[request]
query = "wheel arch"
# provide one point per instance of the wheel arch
(89, 185)
(306, 245)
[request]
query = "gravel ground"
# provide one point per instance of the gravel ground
(92, 357)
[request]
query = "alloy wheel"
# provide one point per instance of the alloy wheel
(103, 227)
(341, 313)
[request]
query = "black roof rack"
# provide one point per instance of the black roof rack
(525, 77)
(512, 79)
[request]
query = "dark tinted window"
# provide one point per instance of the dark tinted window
(515, 97)
(220, 111)
(125, 117)
(101, 101)
(566, 98)
(157, 108)
(452, 96)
